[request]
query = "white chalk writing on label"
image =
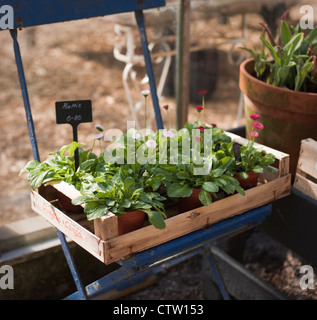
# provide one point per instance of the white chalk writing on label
(77, 117)
(71, 106)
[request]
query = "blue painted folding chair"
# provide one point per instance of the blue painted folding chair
(37, 12)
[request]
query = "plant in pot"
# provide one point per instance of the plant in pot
(61, 167)
(280, 83)
(251, 161)
(193, 184)
(124, 194)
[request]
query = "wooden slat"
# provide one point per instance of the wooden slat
(306, 186)
(68, 226)
(307, 162)
(106, 227)
(67, 189)
(147, 237)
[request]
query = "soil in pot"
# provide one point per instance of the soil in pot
(248, 183)
(131, 221)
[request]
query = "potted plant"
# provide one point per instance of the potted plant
(250, 161)
(123, 189)
(125, 195)
(189, 188)
(61, 167)
(280, 83)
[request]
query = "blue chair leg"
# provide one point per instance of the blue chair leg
(149, 68)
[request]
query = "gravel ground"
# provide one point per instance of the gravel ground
(266, 258)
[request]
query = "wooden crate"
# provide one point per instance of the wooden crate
(101, 239)
(306, 173)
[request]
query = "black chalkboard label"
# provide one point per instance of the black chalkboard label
(73, 112)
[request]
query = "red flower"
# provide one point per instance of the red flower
(202, 92)
(213, 125)
(257, 125)
(255, 116)
(165, 107)
(199, 108)
(201, 128)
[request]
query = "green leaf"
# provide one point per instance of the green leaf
(91, 206)
(176, 190)
(292, 46)
(210, 187)
(308, 40)
(126, 203)
(183, 175)
(272, 50)
(80, 200)
(205, 197)
(286, 34)
(240, 190)
(129, 185)
(99, 212)
(244, 175)
(72, 147)
(156, 219)
(31, 165)
(217, 173)
(36, 178)
(87, 164)
(229, 188)
(257, 169)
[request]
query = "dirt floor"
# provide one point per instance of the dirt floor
(75, 61)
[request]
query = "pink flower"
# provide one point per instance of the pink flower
(198, 139)
(202, 92)
(98, 136)
(151, 144)
(257, 125)
(145, 93)
(255, 116)
(254, 134)
(199, 108)
(201, 128)
(168, 134)
(165, 107)
(136, 136)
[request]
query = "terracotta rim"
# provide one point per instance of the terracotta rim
(246, 74)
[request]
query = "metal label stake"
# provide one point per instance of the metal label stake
(73, 113)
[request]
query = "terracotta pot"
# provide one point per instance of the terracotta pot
(131, 221)
(189, 203)
(288, 116)
(66, 204)
(248, 183)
